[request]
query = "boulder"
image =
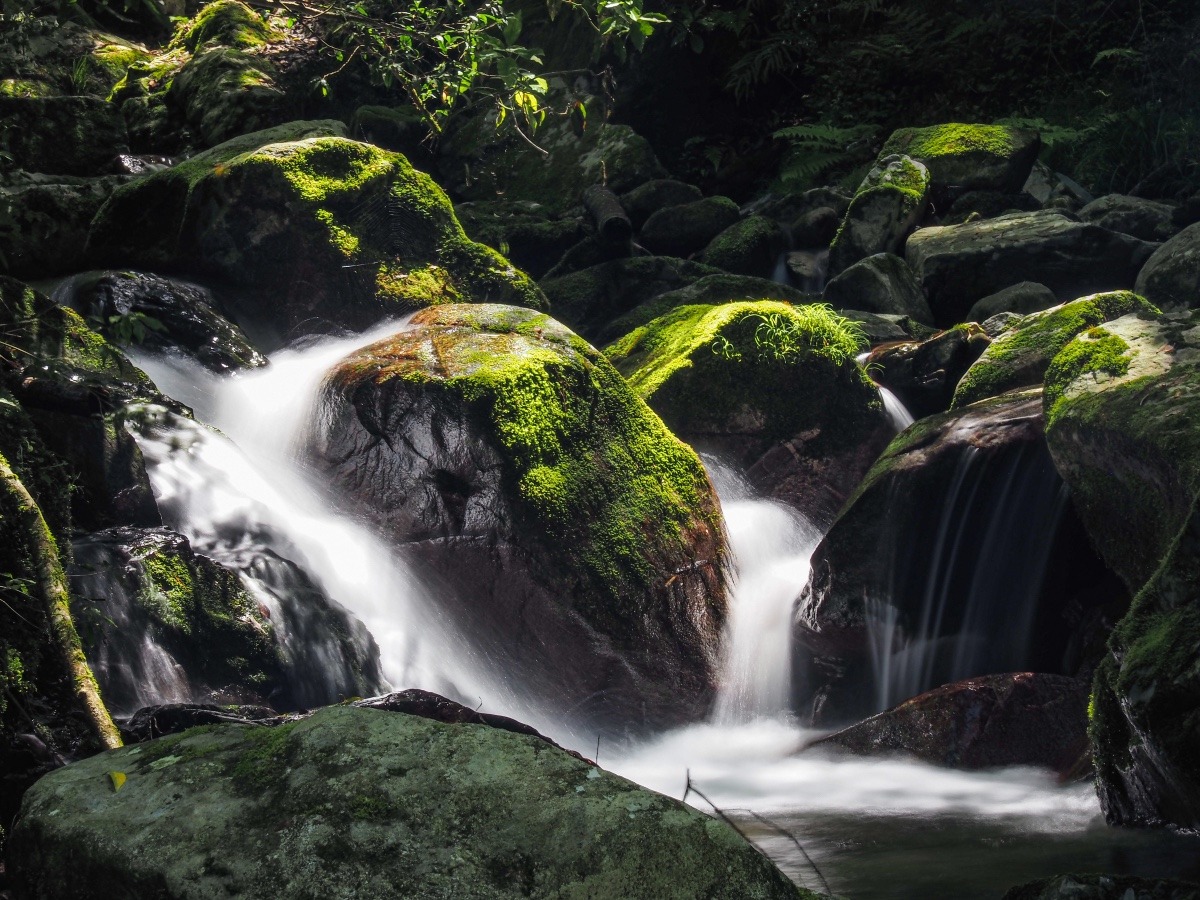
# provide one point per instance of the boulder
(770, 386)
(1104, 887)
(959, 264)
(1171, 277)
(748, 247)
(883, 328)
(53, 58)
(963, 158)
(579, 542)
(1024, 297)
(329, 804)
(688, 228)
(592, 298)
(887, 206)
(987, 205)
(1149, 220)
(1014, 719)
(816, 228)
(1020, 356)
(523, 232)
(648, 198)
(881, 283)
(318, 231)
(955, 557)
(792, 207)
(44, 221)
(924, 374)
(62, 135)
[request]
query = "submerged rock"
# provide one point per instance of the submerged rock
(579, 542)
(1171, 277)
(770, 386)
(1017, 719)
(365, 803)
(320, 231)
(887, 206)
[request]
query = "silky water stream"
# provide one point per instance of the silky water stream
(876, 828)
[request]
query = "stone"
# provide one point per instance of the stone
(683, 230)
(659, 193)
(887, 206)
(987, 205)
(1024, 297)
(1020, 356)
(771, 387)
(993, 721)
(882, 283)
(523, 232)
(962, 158)
(1149, 220)
(1104, 887)
(815, 228)
(579, 541)
(329, 804)
(63, 135)
(960, 264)
(1171, 277)
(924, 374)
(748, 247)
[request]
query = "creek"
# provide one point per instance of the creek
(876, 828)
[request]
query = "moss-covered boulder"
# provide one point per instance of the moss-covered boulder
(772, 386)
(748, 247)
(1171, 277)
(882, 283)
(886, 207)
(1020, 356)
(658, 193)
(951, 555)
(525, 232)
(960, 264)
(44, 57)
(686, 229)
(1104, 887)
(589, 300)
(62, 135)
(924, 373)
(962, 157)
(581, 542)
(324, 232)
(330, 804)
(1022, 298)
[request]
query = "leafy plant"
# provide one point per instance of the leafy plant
(133, 327)
(819, 148)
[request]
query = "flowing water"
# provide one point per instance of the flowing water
(879, 828)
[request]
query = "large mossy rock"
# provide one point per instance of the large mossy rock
(1171, 277)
(774, 388)
(687, 228)
(319, 231)
(887, 206)
(882, 283)
(581, 542)
(46, 57)
(959, 264)
(362, 803)
(963, 158)
(748, 247)
(1020, 356)
(956, 534)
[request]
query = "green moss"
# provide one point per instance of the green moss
(25, 88)
(953, 139)
(265, 752)
(169, 589)
(226, 22)
(1095, 352)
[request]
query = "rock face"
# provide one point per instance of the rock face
(882, 283)
(959, 264)
(887, 206)
(953, 558)
(962, 158)
(317, 230)
(366, 803)
(580, 541)
(1171, 277)
(924, 374)
(1020, 356)
(1017, 719)
(63, 135)
(773, 387)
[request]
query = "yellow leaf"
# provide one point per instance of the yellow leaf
(117, 779)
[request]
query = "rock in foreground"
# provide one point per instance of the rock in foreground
(361, 803)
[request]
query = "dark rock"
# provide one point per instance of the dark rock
(153, 722)
(924, 374)
(648, 198)
(987, 205)
(881, 283)
(1017, 719)
(790, 208)
(1024, 298)
(748, 247)
(1103, 887)
(579, 542)
(815, 228)
(328, 804)
(960, 264)
(62, 135)
(887, 206)
(1145, 219)
(808, 267)
(1171, 277)
(394, 128)
(523, 232)
(887, 328)
(686, 229)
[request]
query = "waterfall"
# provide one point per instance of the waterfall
(897, 414)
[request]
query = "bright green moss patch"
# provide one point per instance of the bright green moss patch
(951, 140)
(26, 88)
(1095, 352)
(226, 22)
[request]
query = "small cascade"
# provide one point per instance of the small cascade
(966, 603)
(771, 545)
(900, 417)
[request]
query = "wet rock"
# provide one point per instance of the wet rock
(524, 232)
(578, 541)
(881, 283)
(329, 803)
(648, 198)
(748, 247)
(1024, 298)
(1020, 356)
(686, 229)
(1149, 220)
(808, 267)
(318, 231)
(62, 135)
(589, 300)
(960, 264)
(963, 158)
(1017, 719)
(1171, 277)
(1104, 887)
(887, 206)
(772, 387)
(924, 374)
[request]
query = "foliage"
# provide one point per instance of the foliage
(817, 149)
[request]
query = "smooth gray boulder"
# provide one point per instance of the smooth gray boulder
(882, 284)
(1023, 298)
(887, 206)
(1149, 220)
(1171, 277)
